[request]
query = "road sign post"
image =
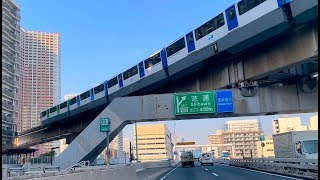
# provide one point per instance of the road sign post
(105, 127)
(194, 103)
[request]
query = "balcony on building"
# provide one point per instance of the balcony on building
(7, 105)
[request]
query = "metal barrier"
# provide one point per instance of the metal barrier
(15, 171)
(51, 169)
(303, 168)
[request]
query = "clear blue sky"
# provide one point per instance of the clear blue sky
(100, 39)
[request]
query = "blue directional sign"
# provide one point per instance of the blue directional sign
(224, 100)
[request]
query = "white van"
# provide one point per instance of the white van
(206, 158)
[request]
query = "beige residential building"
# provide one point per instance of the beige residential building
(286, 124)
(243, 135)
(267, 150)
(216, 138)
(10, 70)
(154, 142)
(242, 125)
(313, 123)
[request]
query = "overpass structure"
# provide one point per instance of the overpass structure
(268, 64)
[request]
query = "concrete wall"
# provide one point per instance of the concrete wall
(114, 173)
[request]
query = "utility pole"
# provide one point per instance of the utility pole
(136, 141)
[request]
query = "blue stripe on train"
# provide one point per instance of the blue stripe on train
(78, 101)
(91, 94)
(105, 88)
(282, 2)
(141, 69)
(120, 80)
(231, 17)
(163, 56)
(190, 42)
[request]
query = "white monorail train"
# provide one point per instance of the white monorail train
(238, 15)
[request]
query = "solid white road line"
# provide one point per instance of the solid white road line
(266, 173)
(215, 174)
(169, 173)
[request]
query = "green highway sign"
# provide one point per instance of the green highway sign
(104, 124)
(194, 103)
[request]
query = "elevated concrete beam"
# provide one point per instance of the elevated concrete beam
(122, 111)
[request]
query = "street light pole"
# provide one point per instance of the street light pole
(108, 150)
(136, 142)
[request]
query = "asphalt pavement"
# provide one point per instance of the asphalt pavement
(218, 171)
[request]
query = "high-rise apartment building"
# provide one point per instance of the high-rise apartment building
(286, 124)
(154, 142)
(10, 69)
(243, 135)
(313, 123)
(40, 79)
(267, 150)
(41, 75)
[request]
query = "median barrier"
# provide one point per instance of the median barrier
(302, 168)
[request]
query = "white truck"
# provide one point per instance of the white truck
(296, 144)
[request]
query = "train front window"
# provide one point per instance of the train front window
(98, 89)
(151, 61)
(112, 82)
(131, 72)
(246, 5)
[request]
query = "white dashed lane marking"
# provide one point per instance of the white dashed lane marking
(215, 174)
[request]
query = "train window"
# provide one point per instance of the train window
(98, 89)
(131, 72)
(175, 47)
(210, 26)
(53, 109)
(43, 114)
(73, 100)
(246, 5)
(151, 61)
(63, 105)
(84, 95)
(112, 82)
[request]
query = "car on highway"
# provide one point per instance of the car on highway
(187, 159)
(206, 158)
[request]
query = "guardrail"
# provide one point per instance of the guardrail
(303, 168)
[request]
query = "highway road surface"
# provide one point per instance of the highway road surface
(218, 171)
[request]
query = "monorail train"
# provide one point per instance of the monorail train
(236, 16)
